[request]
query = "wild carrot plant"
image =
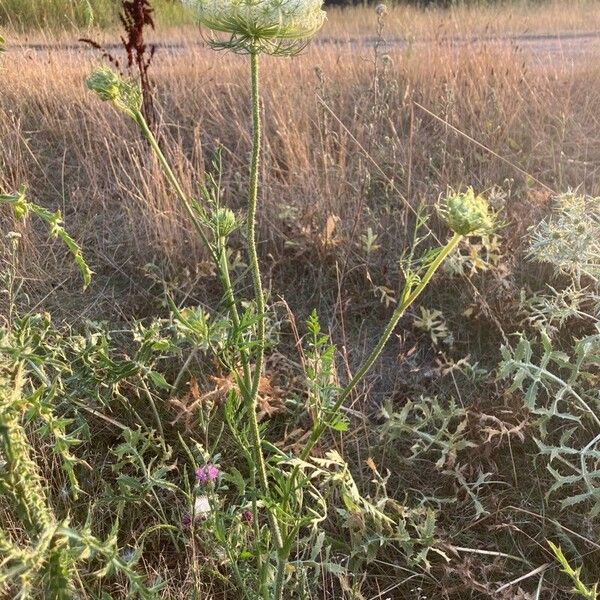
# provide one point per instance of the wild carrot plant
(281, 486)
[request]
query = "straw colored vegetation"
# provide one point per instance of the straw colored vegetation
(470, 450)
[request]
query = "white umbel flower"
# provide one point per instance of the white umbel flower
(270, 26)
(202, 507)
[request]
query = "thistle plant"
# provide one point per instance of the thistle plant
(276, 27)
(554, 366)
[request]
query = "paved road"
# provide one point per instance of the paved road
(566, 46)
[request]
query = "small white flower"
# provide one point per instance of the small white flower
(201, 507)
(270, 26)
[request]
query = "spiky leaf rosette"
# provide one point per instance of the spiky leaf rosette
(279, 27)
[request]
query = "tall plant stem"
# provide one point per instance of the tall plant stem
(402, 307)
(251, 225)
(409, 296)
(260, 303)
(233, 311)
(218, 255)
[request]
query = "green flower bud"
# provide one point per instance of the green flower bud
(224, 222)
(126, 96)
(467, 214)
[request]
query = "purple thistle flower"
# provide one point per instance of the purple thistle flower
(186, 520)
(207, 474)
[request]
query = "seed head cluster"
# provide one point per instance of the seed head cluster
(110, 87)
(467, 213)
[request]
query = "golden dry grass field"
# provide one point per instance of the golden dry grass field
(437, 110)
(364, 132)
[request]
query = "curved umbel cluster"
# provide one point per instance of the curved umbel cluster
(468, 214)
(278, 27)
(108, 85)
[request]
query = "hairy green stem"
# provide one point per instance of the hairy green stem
(260, 325)
(408, 298)
(251, 226)
(233, 311)
(251, 380)
(155, 412)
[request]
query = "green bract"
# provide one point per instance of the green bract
(269, 26)
(126, 96)
(468, 214)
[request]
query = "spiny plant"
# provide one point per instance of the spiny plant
(41, 553)
(569, 240)
(284, 497)
(555, 371)
(22, 208)
(579, 587)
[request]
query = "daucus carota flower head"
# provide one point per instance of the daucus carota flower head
(270, 26)
(467, 213)
(207, 474)
(109, 87)
(381, 9)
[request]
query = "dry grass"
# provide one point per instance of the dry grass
(517, 17)
(330, 119)
(349, 147)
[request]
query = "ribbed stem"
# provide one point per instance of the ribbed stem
(259, 299)
(251, 224)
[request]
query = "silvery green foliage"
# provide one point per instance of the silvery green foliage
(561, 390)
(373, 522)
(552, 310)
(269, 26)
(570, 238)
(430, 426)
(558, 379)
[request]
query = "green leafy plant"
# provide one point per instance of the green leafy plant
(579, 588)
(22, 208)
(555, 372)
(278, 484)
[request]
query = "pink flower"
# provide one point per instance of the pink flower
(248, 517)
(207, 474)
